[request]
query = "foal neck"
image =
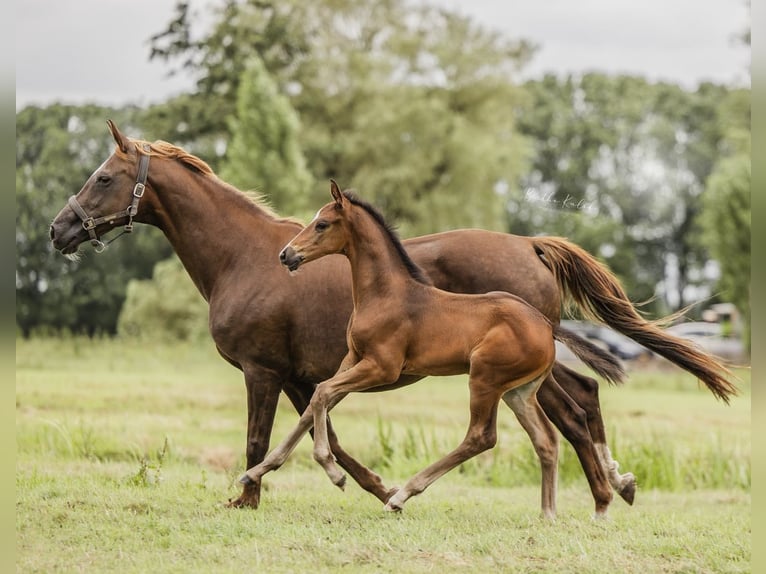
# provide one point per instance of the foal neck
(379, 263)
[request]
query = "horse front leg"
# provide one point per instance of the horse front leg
(263, 388)
(584, 391)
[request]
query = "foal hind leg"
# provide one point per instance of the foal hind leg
(523, 403)
(571, 420)
(584, 391)
(481, 436)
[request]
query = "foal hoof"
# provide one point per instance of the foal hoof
(390, 493)
(246, 480)
(341, 483)
(392, 507)
(628, 490)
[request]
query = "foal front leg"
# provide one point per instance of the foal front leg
(363, 375)
(278, 456)
(365, 477)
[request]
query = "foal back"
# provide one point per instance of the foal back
(452, 333)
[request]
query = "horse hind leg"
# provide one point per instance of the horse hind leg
(571, 420)
(584, 391)
(523, 402)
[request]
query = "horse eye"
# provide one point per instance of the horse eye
(321, 225)
(103, 179)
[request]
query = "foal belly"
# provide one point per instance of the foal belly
(435, 363)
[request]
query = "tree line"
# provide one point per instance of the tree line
(420, 109)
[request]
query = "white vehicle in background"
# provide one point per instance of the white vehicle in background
(711, 338)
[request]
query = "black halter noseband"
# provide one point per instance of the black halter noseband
(90, 224)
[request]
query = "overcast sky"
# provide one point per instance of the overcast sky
(77, 51)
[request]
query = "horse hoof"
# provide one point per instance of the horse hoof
(244, 502)
(628, 490)
(246, 480)
(390, 493)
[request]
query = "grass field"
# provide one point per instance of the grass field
(127, 452)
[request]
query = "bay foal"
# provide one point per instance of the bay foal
(402, 324)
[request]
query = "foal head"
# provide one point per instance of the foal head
(327, 233)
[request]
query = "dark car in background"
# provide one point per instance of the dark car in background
(708, 336)
(616, 343)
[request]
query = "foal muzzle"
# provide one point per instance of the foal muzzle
(290, 258)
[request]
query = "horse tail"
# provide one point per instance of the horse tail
(602, 362)
(595, 290)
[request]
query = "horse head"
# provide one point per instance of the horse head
(110, 197)
(326, 234)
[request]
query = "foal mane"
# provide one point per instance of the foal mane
(165, 149)
(412, 268)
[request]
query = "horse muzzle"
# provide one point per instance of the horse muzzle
(66, 236)
(290, 258)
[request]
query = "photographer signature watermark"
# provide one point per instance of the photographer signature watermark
(549, 199)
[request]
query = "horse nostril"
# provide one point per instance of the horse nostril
(283, 255)
(51, 233)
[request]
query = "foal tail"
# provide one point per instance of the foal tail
(598, 294)
(602, 362)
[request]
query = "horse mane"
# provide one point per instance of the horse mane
(412, 268)
(165, 149)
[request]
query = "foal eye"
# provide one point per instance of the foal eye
(321, 225)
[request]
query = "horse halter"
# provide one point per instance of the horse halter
(89, 224)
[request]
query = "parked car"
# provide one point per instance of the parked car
(616, 343)
(710, 338)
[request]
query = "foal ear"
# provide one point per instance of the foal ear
(120, 139)
(337, 195)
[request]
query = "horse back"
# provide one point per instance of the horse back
(478, 261)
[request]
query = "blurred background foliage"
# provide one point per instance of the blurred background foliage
(422, 111)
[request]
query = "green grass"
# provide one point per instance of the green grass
(127, 452)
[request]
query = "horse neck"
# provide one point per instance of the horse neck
(377, 269)
(213, 227)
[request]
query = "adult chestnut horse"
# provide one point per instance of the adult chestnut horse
(403, 325)
(228, 245)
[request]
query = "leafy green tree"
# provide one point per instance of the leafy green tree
(165, 307)
(410, 104)
(726, 223)
(264, 152)
(637, 156)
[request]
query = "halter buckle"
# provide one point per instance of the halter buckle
(88, 224)
(138, 190)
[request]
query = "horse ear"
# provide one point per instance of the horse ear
(337, 195)
(120, 139)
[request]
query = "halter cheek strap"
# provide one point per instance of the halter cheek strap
(89, 224)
